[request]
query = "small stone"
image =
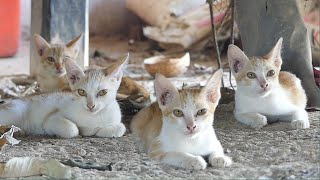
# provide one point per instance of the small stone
(292, 177)
(82, 152)
(131, 41)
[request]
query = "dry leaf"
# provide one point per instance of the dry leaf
(7, 137)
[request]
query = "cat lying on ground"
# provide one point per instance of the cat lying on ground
(90, 109)
(264, 93)
(177, 129)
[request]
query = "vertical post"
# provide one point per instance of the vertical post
(214, 37)
(63, 19)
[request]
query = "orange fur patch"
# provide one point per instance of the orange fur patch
(297, 93)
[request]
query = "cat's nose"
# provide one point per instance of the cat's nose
(191, 127)
(264, 85)
(91, 106)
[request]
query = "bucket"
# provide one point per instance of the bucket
(9, 27)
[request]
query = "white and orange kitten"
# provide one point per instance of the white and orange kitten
(90, 109)
(178, 128)
(51, 69)
(264, 93)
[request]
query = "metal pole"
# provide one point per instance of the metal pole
(213, 30)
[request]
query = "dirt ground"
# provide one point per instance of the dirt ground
(274, 152)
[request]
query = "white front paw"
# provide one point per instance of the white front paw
(119, 130)
(300, 124)
(259, 122)
(222, 161)
(194, 163)
(70, 131)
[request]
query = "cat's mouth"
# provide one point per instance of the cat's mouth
(60, 73)
(265, 92)
(93, 111)
(191, 133)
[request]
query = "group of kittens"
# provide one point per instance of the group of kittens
(177, 129)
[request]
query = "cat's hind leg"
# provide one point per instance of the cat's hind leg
(117, 130)
(254, 120)
(61, 127)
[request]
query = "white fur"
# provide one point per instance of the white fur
(66, 114)
(255, 106)
(185, 149)
(255, 111)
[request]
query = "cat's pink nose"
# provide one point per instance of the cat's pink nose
(265, 85)
(191, 128)
(91, 106)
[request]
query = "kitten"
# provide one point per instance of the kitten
(90, 109)
(264, 93)
(51, 70)
(177, 129)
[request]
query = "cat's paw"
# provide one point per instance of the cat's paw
(119, 130)
(221, 161)
(194, 163)
(259, 122)
(112, 131)
(300, 124)
(70, 131)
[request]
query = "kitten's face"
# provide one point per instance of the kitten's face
(188, 112)
(95, 89)
(256, 76)
(53, 56)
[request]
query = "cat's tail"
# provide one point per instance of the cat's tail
(12, 112)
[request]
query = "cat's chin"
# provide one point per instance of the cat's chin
(60, 74)
(192, 134)
(94, 111)
(265, 93)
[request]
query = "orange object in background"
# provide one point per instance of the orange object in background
(9, 27)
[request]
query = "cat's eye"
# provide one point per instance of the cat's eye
(82, 92)
(251, 75)
(202, 112)
(178, 113)
(102, 92)
(50, 59)
(271, 73)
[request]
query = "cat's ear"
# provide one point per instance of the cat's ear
(212, 89)
(41, 44)
(75, 44)
(275, 54)
(74, 72)
(166, 92)
(237, 59)
(115, 71)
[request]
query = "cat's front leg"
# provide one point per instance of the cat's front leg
(117, 130)
(300, 119)
(88, 131)
(217, 158)
(182, 160)
(60, 127)
(254, 120)
(178, 159)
